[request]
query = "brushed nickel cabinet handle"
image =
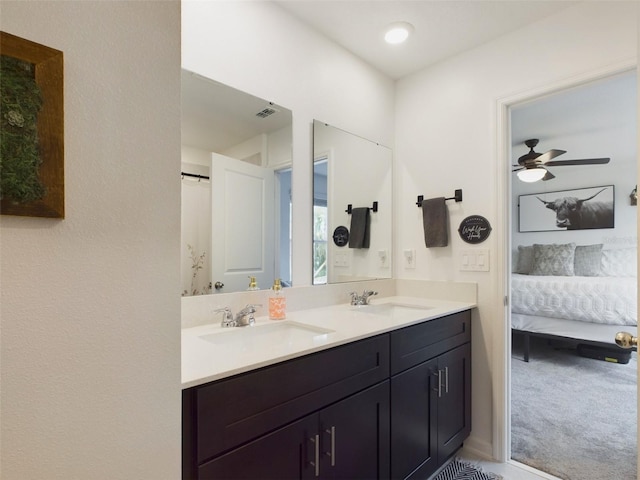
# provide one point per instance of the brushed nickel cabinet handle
(438, 389)
(332, 453)
(446, 379)
(316, 441)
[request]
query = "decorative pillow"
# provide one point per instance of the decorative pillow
(525, 260)
(554, 259)
(619, 262)
(587, 260)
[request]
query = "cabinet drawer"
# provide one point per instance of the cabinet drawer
(418, 343)
(233, 411)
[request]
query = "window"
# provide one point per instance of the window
(319, 243)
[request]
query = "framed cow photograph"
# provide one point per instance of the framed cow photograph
(580, 209)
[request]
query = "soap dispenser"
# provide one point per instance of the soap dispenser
(277, 302)
(253, 285)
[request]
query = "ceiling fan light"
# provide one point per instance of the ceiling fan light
(531, 175)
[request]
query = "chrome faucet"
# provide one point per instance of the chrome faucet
(242, 319)
(245, 316)
(361, 299)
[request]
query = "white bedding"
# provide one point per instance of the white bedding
(603, 300)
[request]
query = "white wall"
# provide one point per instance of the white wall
(447, 120)
(90, 311)
(258, 48)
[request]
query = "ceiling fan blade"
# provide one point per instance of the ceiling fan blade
(584, 161)
(518, 167)
(553, 153)
(548, 176)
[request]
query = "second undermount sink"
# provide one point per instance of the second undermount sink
(391, 308)
(282, 332)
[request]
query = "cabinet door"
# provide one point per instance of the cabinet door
(454, 404)
(282, 455)
(355, 436)
(414, 423)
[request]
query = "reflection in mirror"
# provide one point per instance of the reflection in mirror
(350, 171)
(236, 189)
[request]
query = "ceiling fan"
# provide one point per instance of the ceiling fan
(532, 165)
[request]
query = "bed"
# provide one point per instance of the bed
(580, 294)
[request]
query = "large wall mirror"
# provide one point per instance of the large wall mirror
(352, 207)
(236, 189)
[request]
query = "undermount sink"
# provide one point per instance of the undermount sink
(283, 332)
(391, 308)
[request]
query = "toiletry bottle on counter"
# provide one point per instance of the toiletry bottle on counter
(253, 285)
(277, 302)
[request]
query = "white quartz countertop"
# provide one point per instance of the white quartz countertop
(210, 352)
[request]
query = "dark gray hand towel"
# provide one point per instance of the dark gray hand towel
(436, 222)
(359, 234)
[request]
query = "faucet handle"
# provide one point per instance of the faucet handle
(227, 317)
(245, 316)
(250, 308)
(354, 298)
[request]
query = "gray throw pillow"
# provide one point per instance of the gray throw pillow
(525, 260)
(588, 260)
(554, 259)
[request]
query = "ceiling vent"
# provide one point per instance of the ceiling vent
(265, 112)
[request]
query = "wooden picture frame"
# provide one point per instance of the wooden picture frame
(578, 209)
(49, 77)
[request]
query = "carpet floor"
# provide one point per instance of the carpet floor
(571, 416)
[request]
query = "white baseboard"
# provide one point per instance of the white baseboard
(479, 448)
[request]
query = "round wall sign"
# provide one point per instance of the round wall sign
(341, 236)
(474, 229)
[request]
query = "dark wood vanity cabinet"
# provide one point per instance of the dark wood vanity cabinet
(343, 413)
(430, 395)
(347, 440)
(324, 415)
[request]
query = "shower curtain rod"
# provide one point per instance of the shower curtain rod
(194, 175)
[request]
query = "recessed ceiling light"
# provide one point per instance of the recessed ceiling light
(398, 32)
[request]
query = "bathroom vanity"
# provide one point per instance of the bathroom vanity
(378, 392)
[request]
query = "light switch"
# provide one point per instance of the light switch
(476, 260)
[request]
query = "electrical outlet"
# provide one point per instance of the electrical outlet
(409, 258)
(383, 258)
(341, 259)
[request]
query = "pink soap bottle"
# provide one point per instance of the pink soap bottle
(277, 302)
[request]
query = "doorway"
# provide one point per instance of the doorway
(588, 121)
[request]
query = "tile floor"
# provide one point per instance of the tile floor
(509, 471)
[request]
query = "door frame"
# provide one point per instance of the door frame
(501, 377)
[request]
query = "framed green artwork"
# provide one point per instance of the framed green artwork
(31, 129)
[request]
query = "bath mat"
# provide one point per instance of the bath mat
(463, 470)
